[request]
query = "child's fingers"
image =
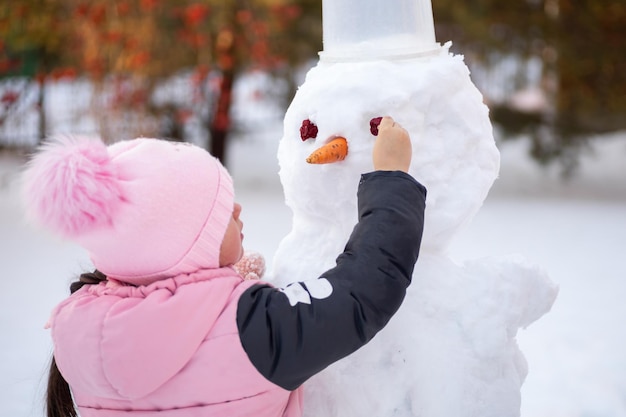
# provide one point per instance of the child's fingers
(386, 123)
(392, 149)
(391, 129)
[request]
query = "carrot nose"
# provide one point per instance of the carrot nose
(334, 151)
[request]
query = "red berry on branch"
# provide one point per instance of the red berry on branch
(308, 130)
(374, 125)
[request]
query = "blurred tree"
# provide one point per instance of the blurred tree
(580, 45)
(31, 42)
(130, 48)
(591, 65)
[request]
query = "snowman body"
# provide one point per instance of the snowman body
(450, 349)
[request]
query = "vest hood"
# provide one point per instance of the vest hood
(119, 341)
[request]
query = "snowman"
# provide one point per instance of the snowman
(451, 349)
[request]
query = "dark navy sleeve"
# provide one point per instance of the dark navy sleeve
(293, 333)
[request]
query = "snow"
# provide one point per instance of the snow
(575, 230)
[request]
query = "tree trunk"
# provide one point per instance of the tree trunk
(41, 108)
(591, 67)
(221, 119)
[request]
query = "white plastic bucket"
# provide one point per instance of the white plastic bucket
(357, 30)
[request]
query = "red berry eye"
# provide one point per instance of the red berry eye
(374, 125)
(308, 130)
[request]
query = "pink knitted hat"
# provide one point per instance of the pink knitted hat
(144, 209)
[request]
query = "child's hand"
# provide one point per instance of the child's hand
(392, 149)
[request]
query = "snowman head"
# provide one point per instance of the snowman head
(454, 154)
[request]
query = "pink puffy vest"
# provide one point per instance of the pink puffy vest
(170, 349)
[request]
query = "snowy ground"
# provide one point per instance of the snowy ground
(575, 230)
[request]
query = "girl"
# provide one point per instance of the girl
(165, 325)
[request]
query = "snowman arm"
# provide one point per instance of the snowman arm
(293, 333)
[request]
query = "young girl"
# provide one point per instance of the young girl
(165, 326)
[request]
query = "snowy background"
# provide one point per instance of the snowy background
(576, 230)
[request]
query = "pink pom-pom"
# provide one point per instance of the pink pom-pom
(251, 266)
(71, 186)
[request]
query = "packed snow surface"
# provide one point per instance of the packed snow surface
(451, 350)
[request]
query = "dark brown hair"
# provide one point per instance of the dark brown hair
(59, 401)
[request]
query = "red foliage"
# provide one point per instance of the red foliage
(286, 14)
(260, 29)
(7, 64)
(60, 73)
(138, 97)
(40, 77)
(127, 94)
(244, 17)
(185, 35)
(226, 62)
(221, 121)
(193, 39)
(201, 40)
(9, 97)
(139, 59)
(21, 11)
(183, 115)
(260, 51)
(82, 10)
(293, 11)
(95, 66)
(199, 74)
(112, 37)
(131, 43)
(97, 14)
(195, 13)
(123, 8)
(148, 5)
